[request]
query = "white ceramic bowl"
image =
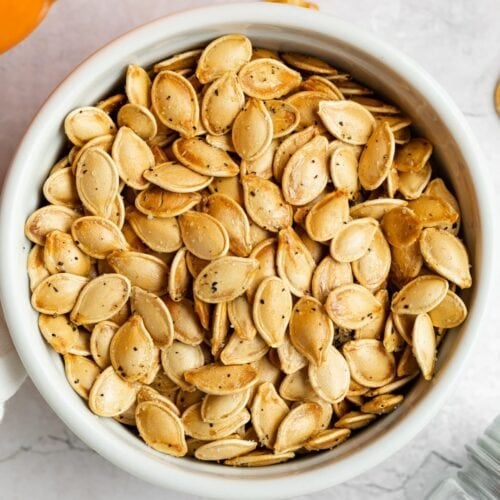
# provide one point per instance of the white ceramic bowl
(277, 27)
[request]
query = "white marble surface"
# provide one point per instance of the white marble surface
(457, 41)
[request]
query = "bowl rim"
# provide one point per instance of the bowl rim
(297, 482)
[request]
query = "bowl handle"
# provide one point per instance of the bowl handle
(12, 372)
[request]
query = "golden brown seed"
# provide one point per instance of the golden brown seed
(239, 351)
(59, 332)
(424, 345)
(382, 404)
(61, 254)
(223, 449)
(203, 158)
(222, 379)
(285, 117)
(401, 227)
(294, 262)
(329, 274)
(227, 53)
(309, 63)
(353, 239)
(376, 159)
(344, 171)
(132, 350)
(60, 188)
(272, 307)
(46, 219)
(252, 130)
(161, 428)
(328, 439)
(306, 173)
(265, 204)
(156, 202)
(352, 306)
(265, 78)
(224, 279)
(139, 119)
(145, 271)
(177, 359)
(347, 120)
(81, 373)
(222, 102)
(298, 426)
(450, 312)
(446, 254)
(311, 330)
(175, 103)
(217, 408)
(369, 363)
(413, 156)
(97, 181)
(173, 176)
(100, 339)
(100, 299)
(83, 124)
(204, 236)
(155, 314)
(187, 327)
(57, 294)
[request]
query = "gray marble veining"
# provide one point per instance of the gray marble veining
(457, 41)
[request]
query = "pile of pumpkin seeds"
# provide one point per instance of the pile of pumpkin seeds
(246, 255)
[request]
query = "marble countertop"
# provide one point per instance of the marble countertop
(457, 41)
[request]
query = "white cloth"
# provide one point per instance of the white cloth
(12, 372)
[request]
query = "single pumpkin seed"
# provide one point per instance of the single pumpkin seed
(220, 328)
(138, 86)
(161, 428)
(369, 363)
(290, 360)
(161, 234)
(327, 216)
(100, 340)
(240, 314)
(220, 379)
(226, 53)
(252, 130)
(272, 307)
(298, 426)
(294, 262)
(224, 449)
(376, 208)
(60, 189)
(420, 295)
(184, 60)
(235, 221)
(267, 78)
(240, 351)
(58, 331)
(406, 263)
(46, 219)
(353, 239)
(261, 458)
(424, 344)
(203, 158)
(83, 124)
(383, 404)
(224, 279)
(329, 274)
(143, 270)
(187, 327)
(97, 181)
(355, 420)
(97, 237)
(412, 184)
(401, 227)
(81, 373)
(179, 278)
(37, 271)
(377, 157)
(319, 83)
(224, 142)
(344, 171)
(284, 116)
(173, 176)
(352, 306)
(330, 378)
(139, 119)
(306, 103)
(433, 212)
(265, 253)
(328, 439)
(204, 236)
(110, 104)
(393, 341)
(155, 314)
(308, 63)
(268, 411)
(177, 359)
(450, 312)
(347, 120)
(446, 254)
(175, 103)
(297, 387)
(373, 268)
(61, 254)
(221, 103)
(58, 293)
(413, 156)
(393, 386)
